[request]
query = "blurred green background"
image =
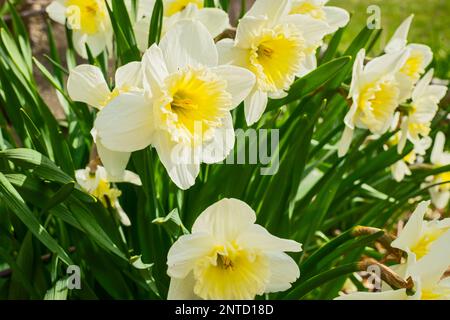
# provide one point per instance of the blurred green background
(430, 26)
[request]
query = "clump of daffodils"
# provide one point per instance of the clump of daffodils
(277, 44)
(390, 84)
(229, 257)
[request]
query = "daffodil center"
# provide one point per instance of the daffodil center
(309, 8)
(377, 104)
(86, 15)
(276, 57)
(174, 6)
(105, 193)
(413, 67)
(231, 273)
(198, 102)
(422, 247)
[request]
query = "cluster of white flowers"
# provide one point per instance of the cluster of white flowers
(178, 99)
(388, 94)
(426, 246)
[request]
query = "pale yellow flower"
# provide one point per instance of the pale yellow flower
(229, 257)
(276, 46)
(89, 21)
(100, 185)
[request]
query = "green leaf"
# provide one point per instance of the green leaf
(312, 81)
(15, 202)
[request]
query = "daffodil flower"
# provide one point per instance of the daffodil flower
(87, 84)
(426, 243)
(229, 257)
(99, 185)
(89, 21)
(440, 194)
(276, 46)
(420, 56)
(317, 9)
(423, 109)
(189, 121)
(420, 237)
(215, 20)
(375, 93)
(401, 168)
(428, 278)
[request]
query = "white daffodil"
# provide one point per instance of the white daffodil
(428, 276)
(426, 243)
(419, 58)
(420, 237)
(401, 168)
(440, 194)
(215, 20)
(87, 84)
(376, 95)
(89, 20)
(423, 109)
(98, 184)
(192, 100)
(229, 257)
(276, 46)
(335, 17)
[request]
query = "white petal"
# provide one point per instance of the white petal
(284, 271)
(126, 124)
(412, 232)
(225, 220)
(255, 105)
(182, 164)
(248, 29)
(186, 251)
(99, 42)
(389, 63)
(275, 11)
(336, 17)
(182, 289)
(141, 31)
(123, 217)
(129, 75)
(230, 54)
(308, 64)
(188, 44)
(438, 149)
(400, 170)
(258, 237)
(400, 38)
(386, 295)
(240, 82)
(87, 84)
(114, 162)
(346, 141)
(221, 144)
(312, 30)
(215, 20)
(154, 67)
(57, 11)
(358, 68)
(439, 198)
